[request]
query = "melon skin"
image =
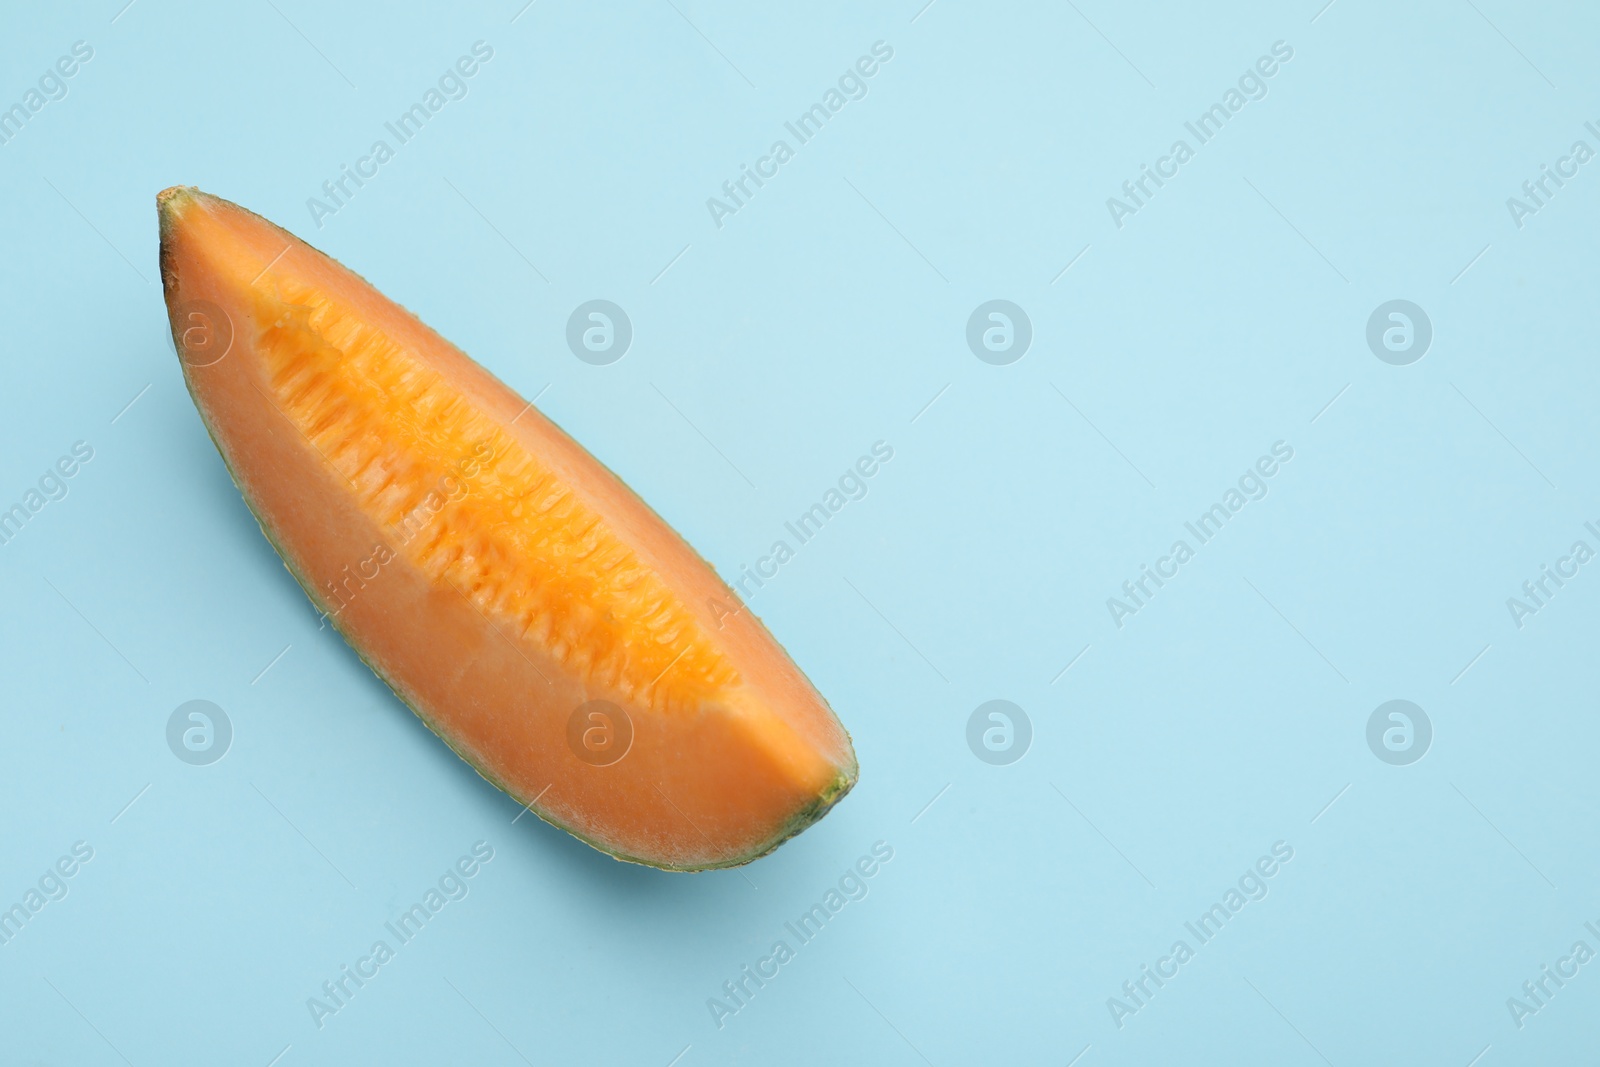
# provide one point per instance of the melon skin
(335, 412)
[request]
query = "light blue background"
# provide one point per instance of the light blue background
(1225, 716)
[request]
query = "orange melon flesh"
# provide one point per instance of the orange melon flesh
(491, 571)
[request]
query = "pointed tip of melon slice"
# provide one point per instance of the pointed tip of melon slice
(170, 203)
(173, 197)
(174, 202)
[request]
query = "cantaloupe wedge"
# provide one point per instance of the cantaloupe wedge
(511, 590)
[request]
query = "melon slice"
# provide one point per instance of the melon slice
(510, 589)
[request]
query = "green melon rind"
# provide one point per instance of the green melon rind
(811, 813)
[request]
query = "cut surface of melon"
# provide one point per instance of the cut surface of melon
(536, 614)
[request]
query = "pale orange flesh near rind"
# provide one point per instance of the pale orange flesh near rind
(494, 573)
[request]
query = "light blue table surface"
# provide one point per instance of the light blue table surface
(1178, 741)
